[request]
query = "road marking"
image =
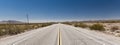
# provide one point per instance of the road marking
(59, 37)
(103, 44)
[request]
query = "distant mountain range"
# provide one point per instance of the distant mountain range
(11, 22)
(98, 21)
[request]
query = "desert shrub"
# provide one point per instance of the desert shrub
(43, 25)
(80, 25)
(2, 32)
(68, 23)
(11, 32)
(98, 27)
(12, 29)
(114, 28)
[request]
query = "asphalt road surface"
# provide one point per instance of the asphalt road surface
(57, 34)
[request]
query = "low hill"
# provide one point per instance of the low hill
(10, 22)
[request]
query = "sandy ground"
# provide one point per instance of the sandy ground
(91, 34)
(108, 27)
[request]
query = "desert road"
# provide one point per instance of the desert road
(60, 34)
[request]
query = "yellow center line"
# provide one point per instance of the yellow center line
(59, 37)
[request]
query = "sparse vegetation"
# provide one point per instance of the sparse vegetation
(106, 26)
(97, 26)
(2, 32)
(12, 29)
(114, 28)
(80, 25)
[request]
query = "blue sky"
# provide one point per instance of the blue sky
(59, 10)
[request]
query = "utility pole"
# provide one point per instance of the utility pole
(27, 18)
(27, 23)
